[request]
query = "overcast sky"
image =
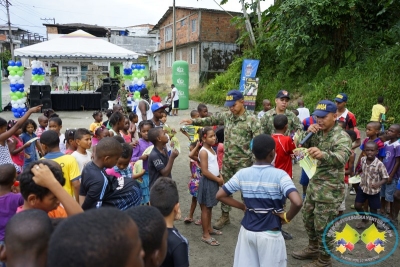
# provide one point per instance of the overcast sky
(27, 14)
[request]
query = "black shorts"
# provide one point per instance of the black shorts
(374, 201)
(176, 104)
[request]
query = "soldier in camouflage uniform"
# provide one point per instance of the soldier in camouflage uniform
(241, 126)
(267, 121)
(123, 94)
(332, 147)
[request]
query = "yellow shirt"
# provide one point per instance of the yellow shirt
(94, 125)
(377, 110)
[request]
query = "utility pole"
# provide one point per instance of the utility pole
(9, 31)
(173, 33)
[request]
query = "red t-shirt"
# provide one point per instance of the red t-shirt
(156, 99)
(284, 149)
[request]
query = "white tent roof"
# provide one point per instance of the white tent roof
(78, 45)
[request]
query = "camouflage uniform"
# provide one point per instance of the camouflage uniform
(267, 122)
(239, 131)
(325, 191)
(123, 94)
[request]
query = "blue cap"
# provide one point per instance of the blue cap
(324, 107)
(157, 106)
(342, 97)
(283, 94)
(232, 97)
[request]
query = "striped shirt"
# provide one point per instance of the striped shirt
(371, 174)
(263, 187)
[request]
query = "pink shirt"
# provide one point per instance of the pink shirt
(220, 154)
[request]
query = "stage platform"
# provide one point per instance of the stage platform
(75, 100)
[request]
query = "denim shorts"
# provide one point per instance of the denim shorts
(387, 190)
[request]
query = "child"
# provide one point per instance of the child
(194, 181)
(100, 237)
(95, 183)
(266, 106)
(378, 110)
(155, 98)
(168, 103)
(165, 197)
(133, 119)
(124, 132)
(28, 133)
(158, 110)
(373, 176)
(99, 133)
(42, 188)
(9, 202)
(159, 163)
(202, 110)
(109, 112)
(70, 143)
(117, 123)
(49, 113)
(164, 117)
(43, 123)
(209, 184)
(5, 156)
(392, 163)
(98, 118)
(69, 166)
(348, 172)
(260, 239)
(144, 143)
(55, 124)
(16, 145)
(192, 132)
(284, 145)
(27, 238)
(153, 233)
(83, 140)
(219, 133)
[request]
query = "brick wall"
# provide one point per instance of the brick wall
(216, 27)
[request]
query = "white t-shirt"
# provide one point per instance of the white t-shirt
(303, 113)
(176, 96)
(62, 146)
(82, 159)
(261, 114)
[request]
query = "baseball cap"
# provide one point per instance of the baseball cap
(283, 94)
(157, 106)
(324, 107)
(232, 97)
(342, 97)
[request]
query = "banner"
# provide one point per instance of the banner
(250, 93)
(249, 70)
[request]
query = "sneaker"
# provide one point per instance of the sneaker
(353, 192)
(286, 235)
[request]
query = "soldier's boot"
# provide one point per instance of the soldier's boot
(222, 221)
(322, 261)
(310, 252)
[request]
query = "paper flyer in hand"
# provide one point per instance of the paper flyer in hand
(175, 144)
(308, 163)
(148, 150)
(138, 167)
(33, 139)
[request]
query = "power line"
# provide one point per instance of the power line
(9, 30)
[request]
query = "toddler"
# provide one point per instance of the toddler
(16, 145)
(98, 118)
(28, 136)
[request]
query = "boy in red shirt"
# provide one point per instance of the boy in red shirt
(283, 145)
(155, 98)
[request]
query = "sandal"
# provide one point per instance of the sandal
(188, 220)
(211, 241)
(198, 222)
(215, 232)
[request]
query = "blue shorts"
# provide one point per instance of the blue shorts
(387, 190)
(398, 185)
(374, 201)
(304, 180)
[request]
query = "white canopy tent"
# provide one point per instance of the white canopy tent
(78, 45)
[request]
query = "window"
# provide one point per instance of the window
(117, 70)
(169, 59)
(194, 23)
(183, 22)
(168, 34)
(69, 70)
(193, 55)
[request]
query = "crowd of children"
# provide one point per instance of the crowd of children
(127, 165)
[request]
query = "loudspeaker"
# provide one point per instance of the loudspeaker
(46, 102)
(34, 92)
(114, 91)
(46, 91)
(105, 92)
(104, 103)
(34, 102)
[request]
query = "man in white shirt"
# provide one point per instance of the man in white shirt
(175, 100)
(303, 111)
